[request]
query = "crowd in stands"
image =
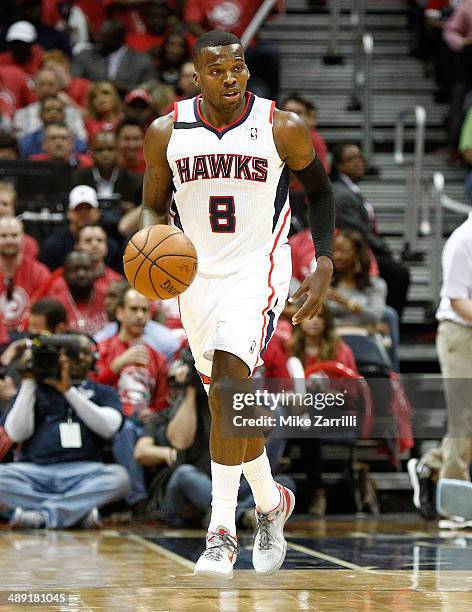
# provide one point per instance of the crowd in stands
(442, 37)
(127, 417)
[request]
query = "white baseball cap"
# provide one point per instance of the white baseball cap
(83, 194)
(21, 30)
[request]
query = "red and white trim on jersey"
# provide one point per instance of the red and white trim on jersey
(262, 344)
(271, 114)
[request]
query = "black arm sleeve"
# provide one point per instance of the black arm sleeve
(320, 206)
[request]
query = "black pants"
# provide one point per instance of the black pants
(397, 278)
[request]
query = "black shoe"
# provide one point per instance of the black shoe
(424, 489)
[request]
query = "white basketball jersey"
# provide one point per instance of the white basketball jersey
(231, 187)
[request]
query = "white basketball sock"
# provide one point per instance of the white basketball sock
(259, 477)
(225, 486)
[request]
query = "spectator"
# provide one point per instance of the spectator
(130, 142)
(307, 111)
(74, 90)
(76, 290)
(28, 120)
(353, 211)
(58, 145)
(47, 37)
(51, 111)
(452, 459)
(20, 276)
(458, 36)
(15, 91)
(111, 60)
(172, 55)
(22, 52)
(7, 209)
(120, 188)
(140, 375)
(92, 239)
(94, 12)
(156, 335)
(9, 150)
(104, 109)
(465, 147)
(59, 480)
(234, 16)
(83, 210)
(70, 19)
(315, 341)
(186, 87)
(356, 299)
(155, 16)
(139, 107)
(47, 316)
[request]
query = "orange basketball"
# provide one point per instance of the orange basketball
(160, 262)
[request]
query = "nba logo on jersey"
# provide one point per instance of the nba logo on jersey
(253, 133)
(253, 347)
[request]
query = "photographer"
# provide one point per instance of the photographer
(62, 420)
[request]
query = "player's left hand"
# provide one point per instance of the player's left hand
(315, 286)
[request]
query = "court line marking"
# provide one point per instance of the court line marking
(161, 550)
(335, 560)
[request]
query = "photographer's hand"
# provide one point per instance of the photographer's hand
(63, 384)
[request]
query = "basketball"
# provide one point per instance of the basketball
(160, 262)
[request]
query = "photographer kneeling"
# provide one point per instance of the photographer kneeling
(62, 420)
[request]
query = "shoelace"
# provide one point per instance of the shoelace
(222, 540)
(263, 526)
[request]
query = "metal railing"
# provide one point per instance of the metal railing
(333, 56)
(414, 185)
(358, 25)
(440, 202)
(257, 21)
(367, 98)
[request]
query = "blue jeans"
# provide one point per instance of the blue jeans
(65, 491)
(188, 495)
(123, 453)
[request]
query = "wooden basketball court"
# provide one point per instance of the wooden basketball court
(333, 565)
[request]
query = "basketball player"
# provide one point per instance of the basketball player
(226, 156)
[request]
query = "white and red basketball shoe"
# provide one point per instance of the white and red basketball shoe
(219, 556)
(270, 546)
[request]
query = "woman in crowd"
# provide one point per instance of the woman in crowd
(104, 109)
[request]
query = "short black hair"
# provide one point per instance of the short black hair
(337, 157)
(52, 310)
(8, 141)
(295, 97)
(214, 38)
(125, 122)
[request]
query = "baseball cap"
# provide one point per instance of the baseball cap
(83, 194)
(21, 30)
(138, 94)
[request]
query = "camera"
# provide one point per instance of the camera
(45, 353)
(184, 358)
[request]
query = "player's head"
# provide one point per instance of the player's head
(220, 69)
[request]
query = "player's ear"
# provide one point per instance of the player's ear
(195, 79)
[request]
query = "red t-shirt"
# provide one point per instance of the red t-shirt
(130, 17)
(30, 246)
(84, 160)
(93, 9)
(31, 67)
(144, 42)
(102, 282)
(88, 316)
(15, 91)
(94, 126)
(78, 90)
(139, 387)
(230, 15)
(28, 277)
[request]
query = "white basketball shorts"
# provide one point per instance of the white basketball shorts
(237, 314)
